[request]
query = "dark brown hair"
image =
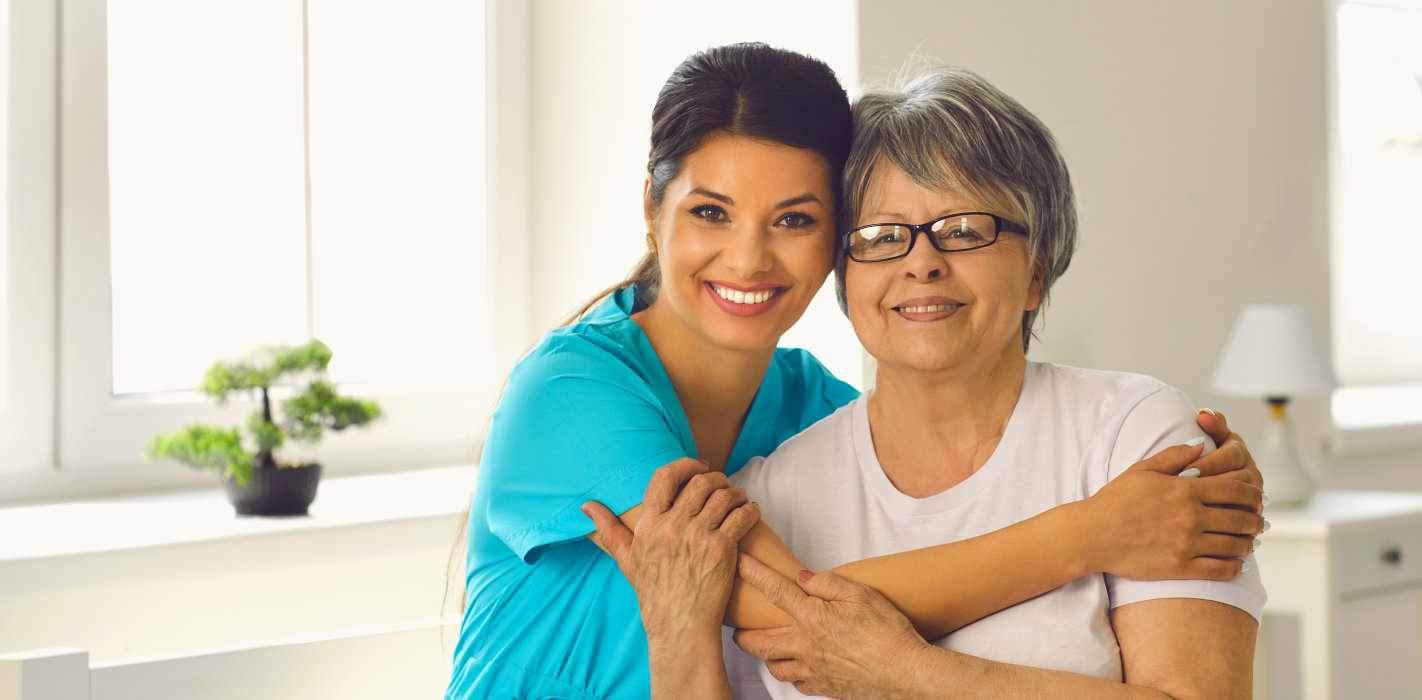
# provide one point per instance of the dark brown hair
(748, 89)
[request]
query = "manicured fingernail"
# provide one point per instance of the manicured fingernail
(1266, 525)
(1196, 442)
(806, 575)
(1244, 567)
(1192, 471)
(1258, 543)
(1266, 500)
(1206, 410)
(584, 508)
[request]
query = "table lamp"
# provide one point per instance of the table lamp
(1276, 353)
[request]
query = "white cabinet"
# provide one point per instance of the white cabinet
(1344, 617)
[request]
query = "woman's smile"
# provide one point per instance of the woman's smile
(744, 301)
(927, 309)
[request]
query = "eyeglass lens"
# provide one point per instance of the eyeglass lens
(949, 234)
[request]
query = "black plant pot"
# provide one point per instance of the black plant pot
(276, 490)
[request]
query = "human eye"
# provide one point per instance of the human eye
(960, 231)
(710, 213)
(879, 236)
(797, 220)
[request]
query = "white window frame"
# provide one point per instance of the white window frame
(100, 437)
(1352, 439)
(27, 420)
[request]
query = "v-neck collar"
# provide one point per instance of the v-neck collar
(760, 419)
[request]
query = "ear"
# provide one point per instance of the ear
(1034, 288)
(649, 208)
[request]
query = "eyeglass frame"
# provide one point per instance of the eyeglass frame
(1000, 225)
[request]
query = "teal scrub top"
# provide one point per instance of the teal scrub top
(588, 415)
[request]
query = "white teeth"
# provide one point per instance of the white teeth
(739, 297)
(927, 309)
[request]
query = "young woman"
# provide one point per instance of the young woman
(680, 362)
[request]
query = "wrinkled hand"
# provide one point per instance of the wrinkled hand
(681, 556)
(847, 640)
(1155, 525)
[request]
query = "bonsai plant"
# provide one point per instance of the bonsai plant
(257, 484)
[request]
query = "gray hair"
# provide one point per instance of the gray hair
(949, 130)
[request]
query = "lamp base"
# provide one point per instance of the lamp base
(1281, 462)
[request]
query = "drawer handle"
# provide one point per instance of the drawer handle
(1392, 555)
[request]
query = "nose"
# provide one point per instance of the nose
(746, 252)
(924, 263)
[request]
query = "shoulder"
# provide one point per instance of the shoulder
(807, 380)
(1096, 395)
(821, 437)
(1126, 417)
(1095, 382)
(584, 352)
(816, 453)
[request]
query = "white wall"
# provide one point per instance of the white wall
(596, 69)
(1197, 135)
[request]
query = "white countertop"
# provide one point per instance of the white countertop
(131, 522)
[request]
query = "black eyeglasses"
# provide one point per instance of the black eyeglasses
(953, 233)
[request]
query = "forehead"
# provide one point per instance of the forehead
(741, 166)
(890, 193)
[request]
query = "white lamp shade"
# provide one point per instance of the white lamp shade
(1274, 350)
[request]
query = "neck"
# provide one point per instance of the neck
(933, 429)
(714, 384)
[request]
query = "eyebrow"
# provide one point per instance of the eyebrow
(888, 217)
(713, 195)
(802, 199)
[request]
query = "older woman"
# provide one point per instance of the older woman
(961, 219)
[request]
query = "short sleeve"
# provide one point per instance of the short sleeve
(1160, 420)
(575, 423)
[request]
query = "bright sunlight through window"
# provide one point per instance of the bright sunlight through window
(1379, 241)
(219, 242)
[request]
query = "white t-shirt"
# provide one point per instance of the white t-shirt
(1071, 431)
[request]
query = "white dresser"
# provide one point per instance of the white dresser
(1344, 617)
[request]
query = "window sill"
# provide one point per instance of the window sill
(111, 524)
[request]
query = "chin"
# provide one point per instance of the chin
(745, 336)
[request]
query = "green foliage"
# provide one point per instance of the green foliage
(264, 367)
(318, 408)
(268, 436)
(311, 411)
(205, 447)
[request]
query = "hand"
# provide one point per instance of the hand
(681, 556)
(847, 640)
(1231, 451)
(1150, 524)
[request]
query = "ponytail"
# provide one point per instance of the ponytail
(647, 277)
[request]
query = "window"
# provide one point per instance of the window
(303, 170)
(27, 98)
(1377, 237)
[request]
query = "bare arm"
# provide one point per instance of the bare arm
(847, 641)
(1171, 649)
(1169, 537)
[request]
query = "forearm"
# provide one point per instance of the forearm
(1177, 648)
(688, 666)
(941, 673)
(947, 586)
